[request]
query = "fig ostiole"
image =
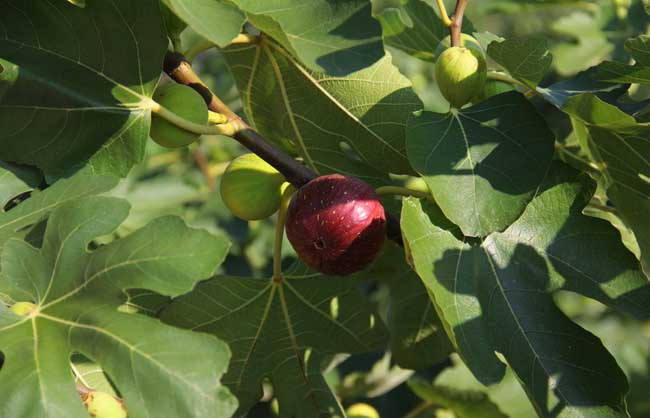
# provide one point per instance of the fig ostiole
(251, 188)
(104, 405)
(185, 102)
(23, 308)
(336, 224)
(460, 75)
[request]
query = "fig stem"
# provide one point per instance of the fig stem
(217, 118)
(403, 191)
(499, 76)
(279, 232)
(456, 26)
(222, 129)
(443, 13)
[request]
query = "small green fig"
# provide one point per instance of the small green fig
(251, 188)
(466, 41)
(361, 410)
(492, 88)
(22, 308)
(186, 103)
(460, 75)
(104, 405)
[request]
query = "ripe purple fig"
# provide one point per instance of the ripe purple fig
(336, 224)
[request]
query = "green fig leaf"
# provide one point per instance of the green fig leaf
(621, 146)
(201, 16)
(333, 37)
(527, 60)
(78, 83)
(15, 180)
(497, 296)
(484, 163)
(77, 294)
(282, 330)
(352, 125)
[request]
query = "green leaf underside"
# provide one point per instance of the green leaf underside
(282, 331)
(76, 79)
(463, 403)
(15, 180)
(498, 296)
(353, 125)
(527, 60)
(623, 146)
(483, 163)
(201, 16)
(77, 293)
(333, 37)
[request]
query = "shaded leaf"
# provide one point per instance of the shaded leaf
(527, 60)
(217, 21)
(415, 28)
(79, 81)
(499, 294)
(282, 331)
(483, 163)
(352, 125)
(334, 37)
(77, 294)
(622, 146)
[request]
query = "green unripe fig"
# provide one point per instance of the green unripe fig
(186, 103)
(492, 88)
(22, 308)
(466, 41)
(361, 410)
(460, 75)
(104, 405)
(251, 188)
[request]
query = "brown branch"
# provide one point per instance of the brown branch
(457, 22)
(180, 70)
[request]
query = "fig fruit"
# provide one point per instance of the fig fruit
(22, 308)
(104, 405)
(186, 103)
(336, 224)
(466, 41)
(251, 188)
(460, 75)
(361, 410)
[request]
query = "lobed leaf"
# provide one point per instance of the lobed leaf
(75, 82)
(77, 294)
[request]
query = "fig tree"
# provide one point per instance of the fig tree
(22, 308)
(336, 224)
(186, 103)
(460, 75)
(466, 41)
(104, 405)
(251, 188)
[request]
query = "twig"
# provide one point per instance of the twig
(443, 13)
(457, 22)
(180, 70)
(202, 163)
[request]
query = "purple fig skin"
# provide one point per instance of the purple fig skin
(336, 224)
